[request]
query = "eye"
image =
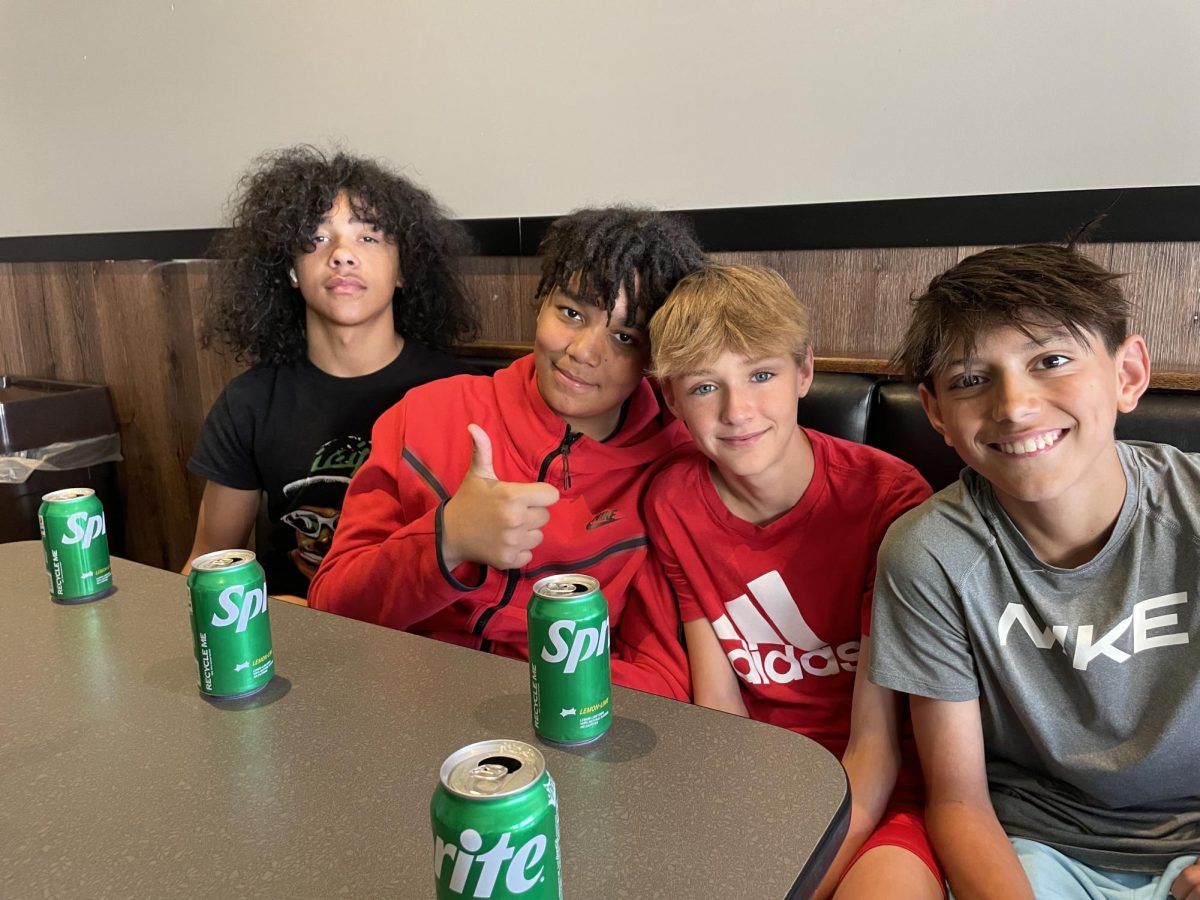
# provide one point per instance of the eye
(320, 238)
(625, 339)
(701, 389)
(569, 312)
(762, 377)
(1053, 361)
(370, 239)
(966, 380)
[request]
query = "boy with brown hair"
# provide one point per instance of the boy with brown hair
(1041, 610)
(777, 628)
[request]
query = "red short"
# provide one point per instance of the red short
(903, 825)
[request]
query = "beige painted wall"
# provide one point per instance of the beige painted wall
(138, 114)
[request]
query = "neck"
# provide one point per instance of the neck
(1071, 529)
(764, 497)
(352, 351)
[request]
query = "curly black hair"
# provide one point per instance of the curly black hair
(277, 209)
(594, 253)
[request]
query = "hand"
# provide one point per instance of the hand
(492, 522)
(1187, 885)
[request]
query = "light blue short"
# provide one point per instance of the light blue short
(1056, 876)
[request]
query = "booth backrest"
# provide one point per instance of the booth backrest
(887, 414)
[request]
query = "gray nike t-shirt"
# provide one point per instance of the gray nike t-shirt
(1088, 679)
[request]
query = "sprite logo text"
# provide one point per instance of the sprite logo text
(253, 602)
(513, 863)
(585, 643)
(84, 528)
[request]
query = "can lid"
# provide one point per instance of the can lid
(564, 587)
(222, 560)
(497, 768)
(65, 494)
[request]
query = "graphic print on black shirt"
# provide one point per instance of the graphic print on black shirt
(315, 501)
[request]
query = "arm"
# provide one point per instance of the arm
(713, 680)
(398, 555)
(977, 857)
(871, 760)
(226, 517)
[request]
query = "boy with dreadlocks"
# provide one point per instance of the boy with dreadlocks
(1041, 611)
(340, 292)
(477, 487)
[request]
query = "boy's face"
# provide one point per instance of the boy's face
(588, 363)
(741, 412)
(349, 277)
(1036, 417)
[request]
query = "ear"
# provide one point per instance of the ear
(1133, 372)
(805, 378)
(671, 397)
(933, 411)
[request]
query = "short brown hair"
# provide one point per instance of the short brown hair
(749, 310)
(1026, 287)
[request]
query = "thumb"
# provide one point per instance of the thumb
(481, 454)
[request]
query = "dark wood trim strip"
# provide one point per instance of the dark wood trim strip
(1133, 215)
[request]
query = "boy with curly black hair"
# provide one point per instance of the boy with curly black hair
(477, 487)
(340, 291)
(1041, 612)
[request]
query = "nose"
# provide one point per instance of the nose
(587, 346)
(342, 255)
(736, 406)
(1013, 398)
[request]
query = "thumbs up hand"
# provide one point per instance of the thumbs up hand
(492, 522)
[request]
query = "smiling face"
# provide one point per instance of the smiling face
(588, 363)
(350, 275)
(1035, 417)
(741, 413)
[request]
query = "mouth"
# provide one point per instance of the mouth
(571, 382)
(1031, 445)
(743, 440)
(344, 285)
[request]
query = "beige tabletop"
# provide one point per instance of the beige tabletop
(117, 779)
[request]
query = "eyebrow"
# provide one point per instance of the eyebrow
(1052, 335)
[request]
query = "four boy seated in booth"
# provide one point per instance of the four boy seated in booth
(1006, 669)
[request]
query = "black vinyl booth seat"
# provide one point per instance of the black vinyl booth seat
(886, 413)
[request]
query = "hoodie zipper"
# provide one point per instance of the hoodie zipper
(514, 575)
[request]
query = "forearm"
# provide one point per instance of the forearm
(975, 853)
(394, 580)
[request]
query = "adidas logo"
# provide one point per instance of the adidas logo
(795, 650)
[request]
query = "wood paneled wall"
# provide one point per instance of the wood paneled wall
(135, 327)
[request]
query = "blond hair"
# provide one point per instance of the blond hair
(749, 310)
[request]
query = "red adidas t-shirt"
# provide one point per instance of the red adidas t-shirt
(789, 601)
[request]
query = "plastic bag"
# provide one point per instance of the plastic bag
(16, 467)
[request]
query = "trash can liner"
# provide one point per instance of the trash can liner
(17, 466)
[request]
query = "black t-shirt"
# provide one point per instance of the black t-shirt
(299, 433)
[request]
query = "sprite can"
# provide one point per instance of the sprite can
(231, 630)
(495, 824)
(570, 686)
(75, 540)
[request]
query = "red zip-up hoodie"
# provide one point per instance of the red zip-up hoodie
(385, 564)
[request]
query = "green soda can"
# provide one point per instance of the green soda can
(495, 824)
(231, 629)
(570, 685)
(75, 540)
